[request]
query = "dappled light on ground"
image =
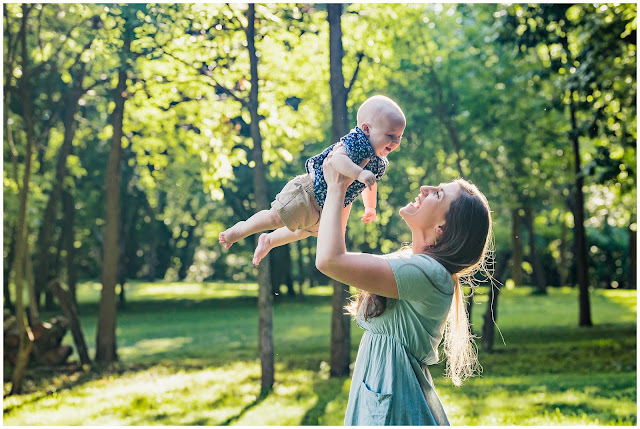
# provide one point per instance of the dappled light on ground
(620, 297)
(155, 346)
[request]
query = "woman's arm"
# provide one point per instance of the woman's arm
(361, 270)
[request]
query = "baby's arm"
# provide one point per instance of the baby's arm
(369, 196)
(346, 166)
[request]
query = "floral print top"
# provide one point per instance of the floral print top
(358, 148)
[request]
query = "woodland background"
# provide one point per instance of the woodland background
(133, 134)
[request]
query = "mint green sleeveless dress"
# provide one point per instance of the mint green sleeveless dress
(391, 384)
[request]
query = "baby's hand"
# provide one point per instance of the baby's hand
(369, 215)
(367, 177)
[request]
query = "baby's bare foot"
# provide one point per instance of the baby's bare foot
(231, 235)
(263, 247)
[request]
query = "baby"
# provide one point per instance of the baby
(295, 213)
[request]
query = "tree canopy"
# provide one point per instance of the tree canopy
(486, 90)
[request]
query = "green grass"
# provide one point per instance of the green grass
(188, 356)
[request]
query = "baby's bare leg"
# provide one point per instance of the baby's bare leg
(279, 237)
(262, 221)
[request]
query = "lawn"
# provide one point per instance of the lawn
(188, 356)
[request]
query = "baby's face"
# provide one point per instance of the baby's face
(384, 135)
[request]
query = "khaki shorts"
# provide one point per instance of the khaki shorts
(297, 206)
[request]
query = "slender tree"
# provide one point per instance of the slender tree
(106, 346)
(580, 235)
(12, 41)
(490, 316)
(69, 213)
(516, 245)
(538, 271)
(26, 337)
(265, 297)
(70, 108)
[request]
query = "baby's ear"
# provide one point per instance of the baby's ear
(365, 127)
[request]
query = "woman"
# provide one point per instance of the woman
(408, 300)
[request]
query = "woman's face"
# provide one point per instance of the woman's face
(430, 207)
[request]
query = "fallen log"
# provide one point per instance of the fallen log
(47, 339)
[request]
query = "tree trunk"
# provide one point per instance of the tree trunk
(6, 269)
(579, 231)
(54, 270)
(280, 261)
(187, 253)
(106, 332)
(156, 237)
(340, 357)
(25, 335)
(57, 265)
(311, 266)
(340, 331)
(125, 229)
(46, 231)
(340, 120)
(34, 311)
(265, 297)
(151, 256)
(298, 246)
(490, 317)
(491, 313)
(9, 66)
(8, 261)
(71, 312)
(69, 239)
(516, 243)
(288, 271)
(562, 269)
(541, 281)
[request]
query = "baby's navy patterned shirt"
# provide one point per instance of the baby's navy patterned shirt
(358, 147)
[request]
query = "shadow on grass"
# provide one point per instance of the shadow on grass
(327, 390)
(53, 380)
(257, 401)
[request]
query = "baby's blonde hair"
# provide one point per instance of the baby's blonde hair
(378, 106)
